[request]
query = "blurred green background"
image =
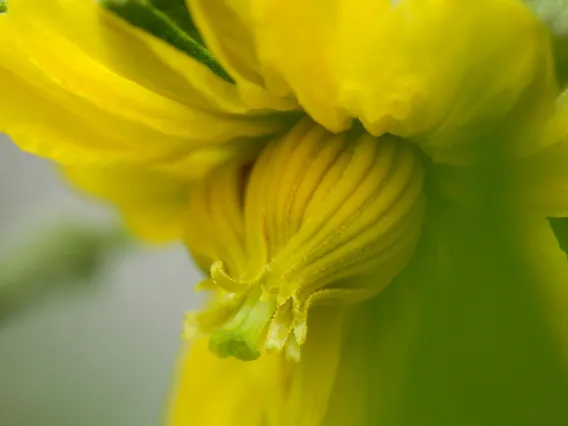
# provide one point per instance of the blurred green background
(102, 352)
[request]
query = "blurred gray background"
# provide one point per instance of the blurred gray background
(103, 356)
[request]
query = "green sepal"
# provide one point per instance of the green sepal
(168, 24)
(3, 6)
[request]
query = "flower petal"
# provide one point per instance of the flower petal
(267, 392)
(216, 392)
(153, 204)
(226, 28)
(72, 89)
(426, 69)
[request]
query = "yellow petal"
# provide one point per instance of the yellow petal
(197, 163)
(122, 49)
(153, 204)
(427, 69)
(215, 209)
(226, 27)
(267, 392)
(215, 392)
(81, 86)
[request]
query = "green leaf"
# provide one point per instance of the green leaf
(177, 11)
(172, 24)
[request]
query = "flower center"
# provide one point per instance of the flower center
(324, 218)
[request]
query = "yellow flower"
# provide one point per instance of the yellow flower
(299, 157)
